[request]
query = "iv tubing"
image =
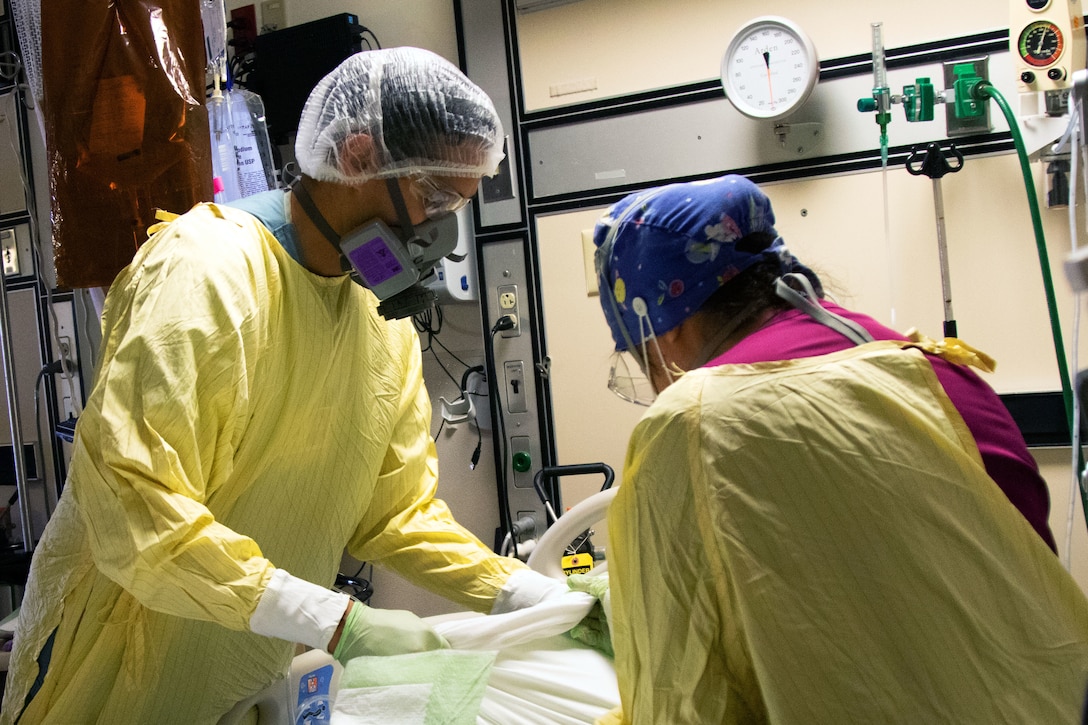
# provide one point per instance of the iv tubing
(880, 95)
(889, 247)
(1074, 150)
(983, 91)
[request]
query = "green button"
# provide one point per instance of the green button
(522, 462)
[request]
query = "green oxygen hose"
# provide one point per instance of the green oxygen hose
(982, 91)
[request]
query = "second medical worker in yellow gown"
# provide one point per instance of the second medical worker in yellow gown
(821, 520)
(251, 417)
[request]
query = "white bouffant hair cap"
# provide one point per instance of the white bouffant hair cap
(397, 112)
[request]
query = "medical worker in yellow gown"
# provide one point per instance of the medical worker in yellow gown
(821, 520)
(253, 416)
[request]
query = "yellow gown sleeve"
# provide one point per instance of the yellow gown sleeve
(678, 654)
(406, 528)
(159, 429)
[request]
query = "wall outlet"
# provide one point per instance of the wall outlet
(67, 350)
(509, 305)
(9, 247)
(67, 384)
(273, 16)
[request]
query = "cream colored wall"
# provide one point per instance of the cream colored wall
(634, 45)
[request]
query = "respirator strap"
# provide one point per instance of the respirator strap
(393, 186)
(307, 203)
(318, 219)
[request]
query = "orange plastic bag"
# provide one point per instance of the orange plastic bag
(125, 124)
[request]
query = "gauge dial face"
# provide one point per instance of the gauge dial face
(1041, 43)
(770, 68)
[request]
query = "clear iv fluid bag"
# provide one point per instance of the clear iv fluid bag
(241, 149)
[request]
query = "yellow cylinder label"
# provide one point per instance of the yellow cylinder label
(577, 564)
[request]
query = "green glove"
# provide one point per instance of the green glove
(369, 631)
(595, 629)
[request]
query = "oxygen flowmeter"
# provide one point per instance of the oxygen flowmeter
(1046, 39)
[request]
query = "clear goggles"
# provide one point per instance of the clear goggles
(437, 200)
(627, 376)
(626, 379)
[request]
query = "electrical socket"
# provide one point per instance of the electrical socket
(508, 306)
(67, 351)
(68, 385)
(9, 247)
(273, 16)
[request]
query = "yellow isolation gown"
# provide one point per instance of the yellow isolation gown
(246, 415)
(817, 541)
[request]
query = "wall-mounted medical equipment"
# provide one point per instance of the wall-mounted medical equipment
(965, 114)
(455, 278)
(1046, 38)
(769, 68)
(1043, 40)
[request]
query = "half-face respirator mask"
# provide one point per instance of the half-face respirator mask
(391, 263)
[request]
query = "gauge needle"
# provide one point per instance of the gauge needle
(770, 87)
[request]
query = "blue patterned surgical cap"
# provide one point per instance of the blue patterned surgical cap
(675, 246)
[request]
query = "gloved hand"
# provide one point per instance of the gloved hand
(369, 631)
(525, 588)
(595, 629)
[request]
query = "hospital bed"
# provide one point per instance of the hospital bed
(536, 675)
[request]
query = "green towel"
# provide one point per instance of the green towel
(442, 687)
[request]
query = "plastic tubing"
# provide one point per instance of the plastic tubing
(1078, 473)
(985, 90)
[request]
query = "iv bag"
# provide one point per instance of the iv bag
(213, 16)
(241, 149)
(126, 127)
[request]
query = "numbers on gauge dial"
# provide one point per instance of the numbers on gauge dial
(768, 71)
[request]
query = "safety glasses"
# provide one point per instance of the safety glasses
(437, 200)
(628, 377)
(626, 380)
(622, 380)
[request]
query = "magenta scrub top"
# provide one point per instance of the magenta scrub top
(793, 334)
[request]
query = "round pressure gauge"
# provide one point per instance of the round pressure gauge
(769, 68)
(1041, 43)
